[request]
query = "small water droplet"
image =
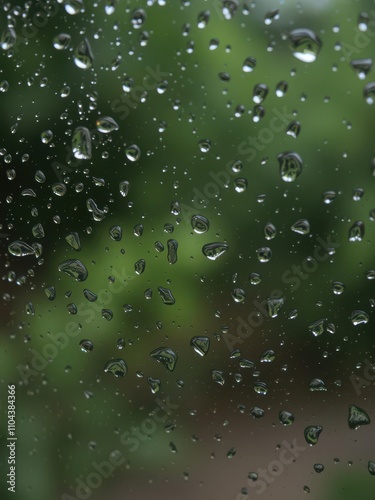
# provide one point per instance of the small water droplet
(62, 41)
(166, 356)
(361, 67)
(302, 226)
(286, 417)
(305, 44)
(249, 64)
(166, 296)
(264, 254)
(86, 345)
(133, 153)
(359, 317)
(218, 377)
(274, 307)
(312, 433)
(357, 231)
(200, 345)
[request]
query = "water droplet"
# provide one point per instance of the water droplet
(264, 254)
(357, 417)
(338, 287)
(361, 67)
(260, 388)
(138, 230)
(329, 197)
(255, 279)
(81, 143)
(359, 317)
(200, 224)
(274, 307)
(8, 39)
(172, 251)
(231, 452)
(286, 417)
(317, 385)
(363, 20)
(204, 145)
(46, 136)
(50, 292)
(244, 363)
(240, 185)
(106, 124)
(369, 93)
(218, 377)
(270, 231)
(290, 165)
(73, 240)
(115, 233)
(214, 250)
(59, 189)
(238, 295)
(62, 41)
(74, 268)
(319, 468)
(281, 88)
(271, 15)
(293, 129)
(312, 433)
(249, 64)
(267, 356)
(302, 226)
(357, 231)
(124, 188)
(166, 296)
(86, 345)
(133, 153)
(83, 56)
(117, 367)
(200, 345)
(317, 327)
(371, 467)
(89, 295)
(260, 92)
(166, 356)
(138, 18)
(154, 384)
(140, 266)
(229, 8)
(74, 7)
(20, 249)
(107, 314)
(213, 44)
(305, 44)
(203, 18)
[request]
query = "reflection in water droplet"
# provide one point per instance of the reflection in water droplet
(264, 254)
(361, 67)
(286, 417)
(133, 153)
(117, 367)
(200, 224)
(305, 44)
(20, 249)
(302, 226)
(290, 165)
(312, 433)
(83, 56)
(369, 93)
(74, 268)
(166, 296)
(81, 143)
(166, 356)
(106, 124)
(200, 345)
(357, 417)
(359, 317)
(217, 376)
(214, 250)
(86, 345)
(249, 64)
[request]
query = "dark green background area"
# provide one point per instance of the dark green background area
(70, 413)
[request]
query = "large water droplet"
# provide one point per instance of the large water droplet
(200, 345)
(214, 250)
(117, 367)
(166, 296)
(369, 93)
(218, 377)
(81, 143)
(83, 56)
(312, 433)
(74, 7)
(357, 417)
(305, 44)
(166, 356)
(20, 249)
(357, 231)
(274, 307)
(290, 165)
(359, 317)
(74, 268)
(200, 224)
(286, 417)
(106, 124)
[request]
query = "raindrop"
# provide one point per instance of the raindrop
(217, 376)
(50, 292)
(363, 20)
(74, 7)
(274, 306)
(357, 417)
(73, 240)
(267, 356)
(200, 345)
(74, 268)
(271, 15)
(319, 468)
(312, 433)
(357, 231)
(238, 295)
(203, 18)
(204, 145)
(286, 417)
(281, 88)
(260, 92)
(249, 64)
(290, 166)
(138, 18)
(264, 254)
(106, 124)
(62, 41)
(361, 67)
(115, 233)
(369, 93)
(140, 266)
(305, 44)
(8, 39)
(317, 385)
(338, 287)
(359, 317)
(107, 314)
(255, 279)
(293, 129)
(20, 249)
(166, 356)
(83, 56)
(154, 384)
(240, 185)
(117, 367)
(200, 224)
(172, 251)
(371, 467)
(317, 327)
(124, 188)
(86, 345)
(270, 231)
(133, 153)
(81, 143)
(329, 197)
(89, 295)
(302, 226)
(261, 388)
(166, 296)
(214, 250)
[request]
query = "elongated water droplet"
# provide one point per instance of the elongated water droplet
(363, 20)
(359, 317)
(106, 124)
(81, 143)
(290, 165)
(166, 296)
(203, 18)
(293, 129)
(83, 56)
(361, 67)
(89, 295)
(124, 188)
(117, 367)
(267, 356)
(317, 385)
(8, 39)
(271, 15)
(305, 44)
(357, 231)
(154, 384)
(214, 250)
(166, 356)
(312, 433)
(244, 363)
(274, 307)
(249, 64)
(140, 266)
(357, 417)
(260, 92)
(270, 231)
(281, 88)
(261, 388)
(218, 377)
(133, 153)
(74, 268)
(286, 417)
(74, 7)
(369, 93)
(200, 345)
(371, 467)
(172, 251)
(20, 249)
